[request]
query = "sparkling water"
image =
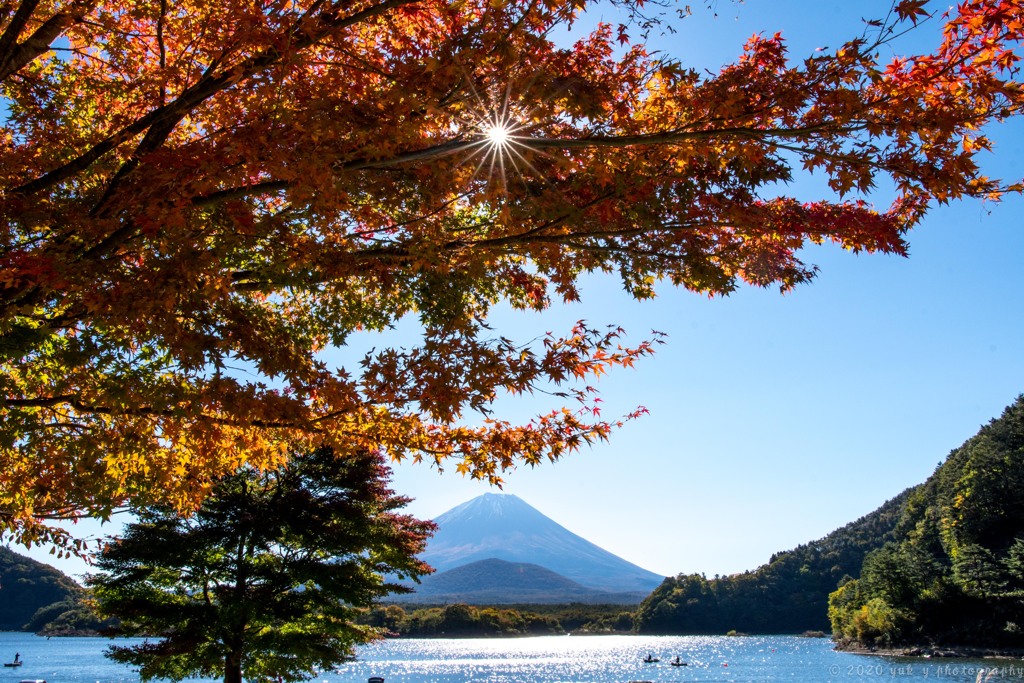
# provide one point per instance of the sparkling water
(552, 659)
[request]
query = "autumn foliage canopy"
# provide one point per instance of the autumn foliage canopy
(198, 198)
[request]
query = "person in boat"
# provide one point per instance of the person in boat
(17, 657)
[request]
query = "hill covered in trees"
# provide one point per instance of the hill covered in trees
(787, 595)
(953, 573)
(34, 595)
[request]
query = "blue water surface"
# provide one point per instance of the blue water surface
(552, 659)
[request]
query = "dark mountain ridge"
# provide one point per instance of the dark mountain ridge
(498, 582)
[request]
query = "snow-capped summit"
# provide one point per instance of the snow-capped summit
(504, 527)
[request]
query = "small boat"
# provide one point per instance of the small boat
(376, 679)
(14, 663)
(650, 660)
(677, 662)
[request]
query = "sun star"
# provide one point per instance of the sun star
(498, 134)
(499, 144)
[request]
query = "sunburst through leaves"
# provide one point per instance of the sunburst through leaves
(498, 135)
(502, 134)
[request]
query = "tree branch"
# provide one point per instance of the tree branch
(15, 57)
(145, 411)
(609, 141)
(163, 49)
(10, 37)
(164, 118)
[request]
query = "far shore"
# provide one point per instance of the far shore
(935, 652)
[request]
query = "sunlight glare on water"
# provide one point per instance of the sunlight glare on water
(555, 659)
(619, 659)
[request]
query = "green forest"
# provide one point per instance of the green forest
(478, 621)
(954, 573)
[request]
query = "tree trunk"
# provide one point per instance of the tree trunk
(233, 667)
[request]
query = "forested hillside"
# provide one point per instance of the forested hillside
(787, 595)
(954, 574)
(27, 585)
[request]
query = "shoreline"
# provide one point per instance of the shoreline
(934, 652)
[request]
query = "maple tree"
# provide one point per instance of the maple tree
(198, 198)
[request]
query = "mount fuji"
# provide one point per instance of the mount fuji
(498, 546)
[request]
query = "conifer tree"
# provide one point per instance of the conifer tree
(267, 577)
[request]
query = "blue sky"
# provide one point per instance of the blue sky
(776, 419)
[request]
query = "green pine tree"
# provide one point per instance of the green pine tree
(267, 577)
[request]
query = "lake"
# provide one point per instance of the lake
(553, 659)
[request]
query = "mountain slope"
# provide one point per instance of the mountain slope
(954, 574)
(787, 595)
(27, 585)
(504, 527)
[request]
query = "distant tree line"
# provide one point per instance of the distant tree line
(78, 617)
(462, 620)
(72, 617)
(954, 574)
